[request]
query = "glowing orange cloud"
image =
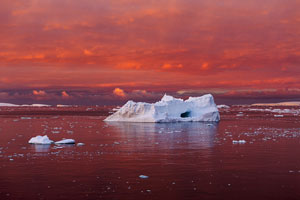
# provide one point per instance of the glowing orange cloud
(170, 66)
(119, 92)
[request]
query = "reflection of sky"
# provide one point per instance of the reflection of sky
(186, 135)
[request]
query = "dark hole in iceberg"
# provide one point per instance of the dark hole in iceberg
(185, 114)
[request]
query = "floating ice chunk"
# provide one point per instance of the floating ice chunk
(66, 141)
(40, 140)
(55, 132)
(238, 141)
(40, 105)
(223, 106)
(26, 118)
(62, 106)
(169, 109)
(80, 144)
(143, 176)
(278, 115)
(35, 105)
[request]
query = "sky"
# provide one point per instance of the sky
(107, 52)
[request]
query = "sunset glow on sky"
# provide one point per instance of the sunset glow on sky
(106, 52)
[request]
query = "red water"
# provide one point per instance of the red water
(181, 160)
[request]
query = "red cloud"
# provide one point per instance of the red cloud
(64, 94)
(39, 92)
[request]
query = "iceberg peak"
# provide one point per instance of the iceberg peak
(166, 98)
(169, 109)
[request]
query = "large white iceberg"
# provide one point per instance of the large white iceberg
(169, 109)
(40, 140)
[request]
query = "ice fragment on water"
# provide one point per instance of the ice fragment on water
(143, 176)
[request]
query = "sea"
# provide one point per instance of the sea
(252, 153)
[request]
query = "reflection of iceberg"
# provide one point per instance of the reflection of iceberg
(42, 148)
(167, 135)
(169, 109)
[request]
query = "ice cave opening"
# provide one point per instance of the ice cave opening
(185, 114)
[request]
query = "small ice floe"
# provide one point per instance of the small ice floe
(62, 106)
(238, 141)
(26, 118)
(223, 106)
(57, 147)
(143, 176)
(278, 115)
(240, 114)
(66, 141)
(55, 132)
(80, 144)
(40, 140)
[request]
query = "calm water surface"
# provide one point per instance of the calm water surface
(181, 160)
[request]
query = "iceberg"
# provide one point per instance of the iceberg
(40, 140)
(66, 141)
(169, 109)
